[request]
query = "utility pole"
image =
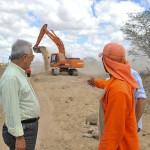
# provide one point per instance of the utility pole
(3, 60)
(8, 60)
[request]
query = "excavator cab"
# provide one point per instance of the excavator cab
(57, 57)
(54, 59)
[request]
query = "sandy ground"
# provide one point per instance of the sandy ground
(65, 103)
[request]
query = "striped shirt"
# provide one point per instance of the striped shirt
(18, 99)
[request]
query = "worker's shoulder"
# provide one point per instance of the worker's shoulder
(135, 74)
(120, 85)
(8, 74)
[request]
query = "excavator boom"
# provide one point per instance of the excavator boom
(51, 34)
(59, 62)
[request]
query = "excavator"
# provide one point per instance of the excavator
(59, 62)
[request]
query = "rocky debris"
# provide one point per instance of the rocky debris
(92, 128)
(88, 135)
(95, 134)
(92, 119)
(92, 132)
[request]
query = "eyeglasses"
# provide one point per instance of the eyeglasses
(31, 56)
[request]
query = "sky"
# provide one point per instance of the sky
(84, 26)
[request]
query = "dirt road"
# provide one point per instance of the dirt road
(65, 103)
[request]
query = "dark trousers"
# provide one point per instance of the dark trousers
(30, 135)
(139, 129)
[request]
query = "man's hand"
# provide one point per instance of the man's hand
(20, 143)
(91, 81)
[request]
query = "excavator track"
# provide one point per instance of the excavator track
(73, 72)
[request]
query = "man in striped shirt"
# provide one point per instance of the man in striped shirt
(20, 104)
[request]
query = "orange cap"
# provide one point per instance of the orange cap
(114, 51)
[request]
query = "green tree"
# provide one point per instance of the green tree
(137, 32)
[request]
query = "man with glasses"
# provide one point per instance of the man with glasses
(20, 104)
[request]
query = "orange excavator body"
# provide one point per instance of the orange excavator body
(58, 60)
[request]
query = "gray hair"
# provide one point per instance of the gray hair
(20, 48)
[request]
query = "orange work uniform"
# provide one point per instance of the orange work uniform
(120, 131)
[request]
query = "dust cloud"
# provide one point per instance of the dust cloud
(41, 63)
(92, 66)
(37, 67)
(140, 64)
(45, 57)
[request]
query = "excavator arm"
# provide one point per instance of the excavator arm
(51, 34)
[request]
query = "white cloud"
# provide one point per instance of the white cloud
(115, 12)
(70, 19)
(145, 3)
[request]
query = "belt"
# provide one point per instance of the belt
(31, 120)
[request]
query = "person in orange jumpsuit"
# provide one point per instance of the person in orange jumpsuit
(120, 129)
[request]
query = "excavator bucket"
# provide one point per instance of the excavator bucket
(37, 49)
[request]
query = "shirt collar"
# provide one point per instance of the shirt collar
(13, 65)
